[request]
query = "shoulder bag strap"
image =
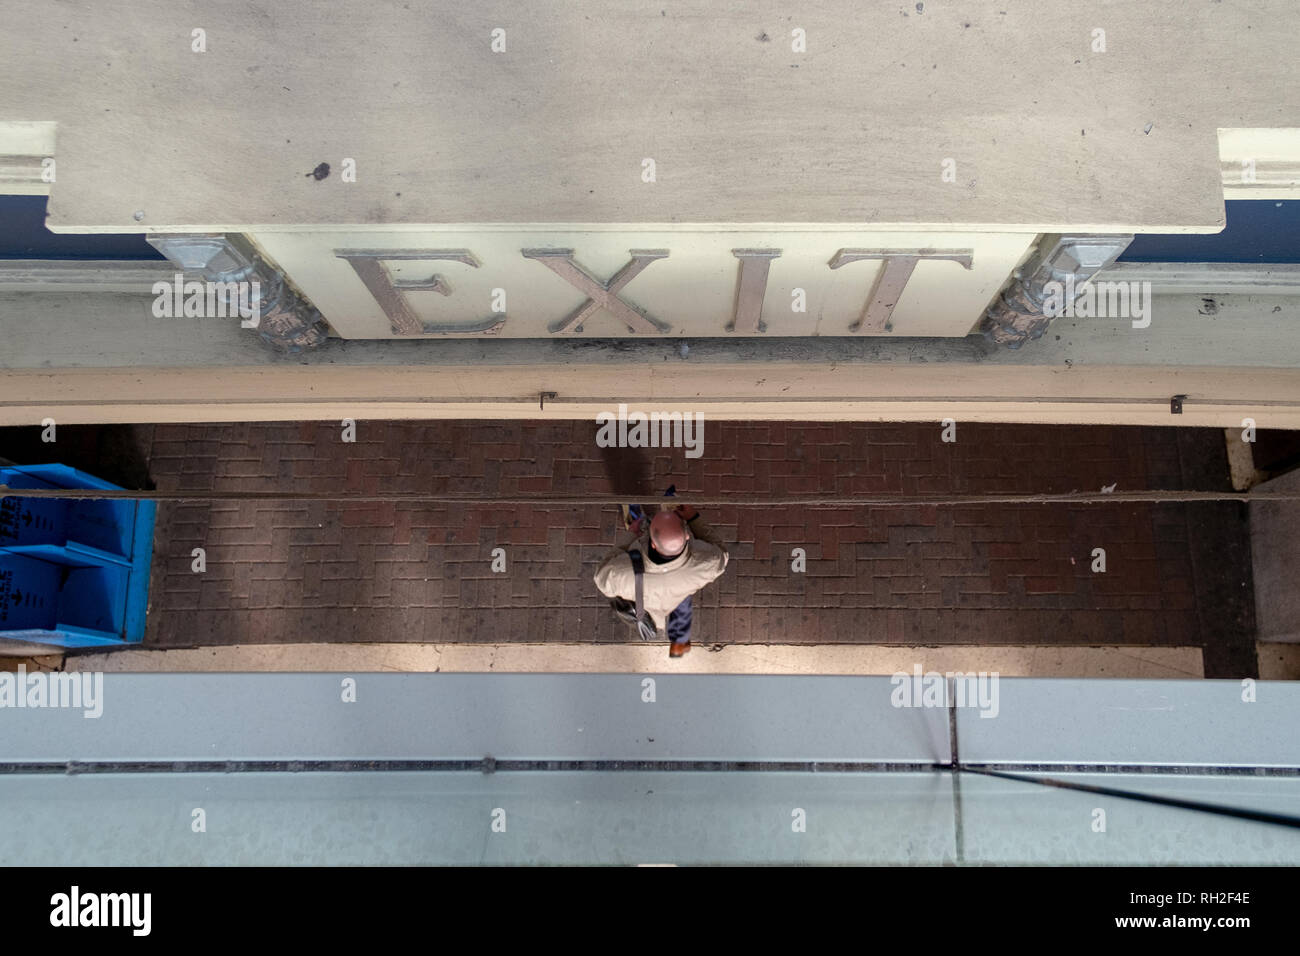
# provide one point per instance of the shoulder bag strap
(646, 631)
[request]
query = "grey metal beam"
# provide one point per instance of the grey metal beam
(173, 717)
(288, 717)
(1163, 722)
(625, 818)
(444, 818)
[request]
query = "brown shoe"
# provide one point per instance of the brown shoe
(678, 650)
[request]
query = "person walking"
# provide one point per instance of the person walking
(679, 554)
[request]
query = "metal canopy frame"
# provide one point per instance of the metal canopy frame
(650, 768)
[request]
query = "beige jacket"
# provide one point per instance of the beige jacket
(666, 585)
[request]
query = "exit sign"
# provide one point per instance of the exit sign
(691, 281)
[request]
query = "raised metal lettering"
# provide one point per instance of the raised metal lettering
(389, 294)
(889, 285)
(601, 295)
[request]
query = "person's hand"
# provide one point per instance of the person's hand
(636, 526)
(686, 512)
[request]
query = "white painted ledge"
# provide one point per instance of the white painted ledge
(792, 659)
(1210, 278)
(1260, 163)
(105, 358)
(24, 147)
(82, 275)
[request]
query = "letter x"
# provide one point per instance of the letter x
(601, 295)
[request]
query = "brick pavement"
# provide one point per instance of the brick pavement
(408, 571)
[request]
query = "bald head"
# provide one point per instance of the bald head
(668, 534)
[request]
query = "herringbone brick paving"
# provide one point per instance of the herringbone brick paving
(975, 573)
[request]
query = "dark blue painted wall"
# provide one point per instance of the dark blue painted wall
(23, 236)
(1259, 230)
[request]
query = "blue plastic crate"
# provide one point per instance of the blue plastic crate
(73, 572)
(58, 604)
(65, 529)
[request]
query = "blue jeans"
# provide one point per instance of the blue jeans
(679, 623)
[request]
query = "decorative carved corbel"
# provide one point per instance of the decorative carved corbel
(286, 320)
(1018, 314)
